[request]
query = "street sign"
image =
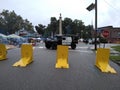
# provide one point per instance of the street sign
(105, 33)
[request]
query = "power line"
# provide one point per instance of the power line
(116, 11)
(111, 6)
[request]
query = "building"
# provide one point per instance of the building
(112, 35)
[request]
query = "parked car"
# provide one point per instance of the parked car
(97, 41)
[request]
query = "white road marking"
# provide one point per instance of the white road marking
(84, 51)
(41, 47)
(78, 49)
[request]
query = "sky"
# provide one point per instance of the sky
(40, 11)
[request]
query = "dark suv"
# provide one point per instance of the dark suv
(69, 40)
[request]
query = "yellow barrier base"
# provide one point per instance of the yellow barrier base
(107, 69)
(22, 63)
(1, 58)
(102, 60)
(61, 64)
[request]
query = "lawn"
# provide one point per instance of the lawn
(117, 48)
(115, 57)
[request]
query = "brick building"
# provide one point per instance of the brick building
(113, 35)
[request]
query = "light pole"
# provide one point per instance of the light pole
(81, 33)
(95, 24)
(89, 8)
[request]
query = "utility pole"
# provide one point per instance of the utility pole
(95, 24)
(89, 8)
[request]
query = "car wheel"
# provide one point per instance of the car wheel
(73, 46)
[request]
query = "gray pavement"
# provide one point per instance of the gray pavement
(42, 75)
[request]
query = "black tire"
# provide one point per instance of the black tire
(48, 46)
(54, 46)
(73, 46)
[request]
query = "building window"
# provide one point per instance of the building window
(119, 34)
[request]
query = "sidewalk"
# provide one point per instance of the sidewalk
(10, 47)
(112, 51)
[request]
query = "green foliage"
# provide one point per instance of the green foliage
(53, 25)
(11, 22)
(69, 26)
(40, 29)
(115, 58)
(87, 32)
(103, 40)
(67, 22)
(117, 48)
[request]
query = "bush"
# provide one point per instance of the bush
(103, 40)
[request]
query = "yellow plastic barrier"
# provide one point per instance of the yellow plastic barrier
(102, 60)
(26, 55)
(3, 52)
(62, 57)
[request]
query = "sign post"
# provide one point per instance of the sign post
(105, 34)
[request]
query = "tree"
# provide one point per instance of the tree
(87, 32)
(53, 25)
(67, 25)
(27, 25)
(11, 22)
(40, 29)
(77, 26)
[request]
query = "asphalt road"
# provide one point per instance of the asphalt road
(42, 74)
